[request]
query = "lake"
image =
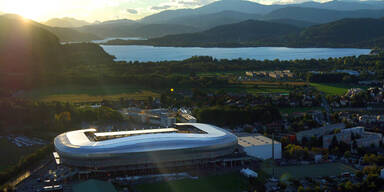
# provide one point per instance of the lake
(151, 53)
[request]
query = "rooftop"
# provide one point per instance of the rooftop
(135, 132)
(91, 138)
(254, 140)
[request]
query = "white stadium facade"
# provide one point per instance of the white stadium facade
(185, 144)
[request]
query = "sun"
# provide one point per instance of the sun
(35, 10)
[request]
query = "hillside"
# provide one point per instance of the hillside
(71, 35)
(65, 22)
(297, 23)
(206, 21)
(344, 5)
(249, 7)
(27, 51)
(245, 33)
(316, 15)
(345, 33)
(365, 33)
(136, 29)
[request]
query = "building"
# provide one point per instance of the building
(187, 118)
(184, 144)
(259, 146)
(349, 72)
(318, 132)
(356, 134)
(161, 117)
(382, 173)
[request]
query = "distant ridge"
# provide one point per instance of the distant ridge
(27, 51)
(66, 22)
(316, 15)
(341, 33)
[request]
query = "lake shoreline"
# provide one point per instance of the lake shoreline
(145, 53)
(235, 46)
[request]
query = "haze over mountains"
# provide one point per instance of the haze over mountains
(170, 22)
(361, 32)
(66, 22)
(205, 19)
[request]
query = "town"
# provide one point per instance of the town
(312, 143)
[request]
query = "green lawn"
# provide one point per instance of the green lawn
(233, 182)
(334, 88)
(77, 94)
(11, 154)
(313, 170)
(220, 74)
(251, 89)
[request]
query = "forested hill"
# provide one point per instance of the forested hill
(32, 56)
(246, 33)
(26, 50)
(359, 33)
(316, 15)
(346, 33)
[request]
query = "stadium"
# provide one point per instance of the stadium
(184, 144)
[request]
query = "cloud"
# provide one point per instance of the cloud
(132, 11)
(189, 3)
(192, 3)
(160, 7)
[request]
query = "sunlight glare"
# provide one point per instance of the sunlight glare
(29, 9)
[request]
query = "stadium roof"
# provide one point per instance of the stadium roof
(135, 132)
(77, 143)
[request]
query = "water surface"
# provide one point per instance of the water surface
(151, 53)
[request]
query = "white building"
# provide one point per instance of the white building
(365, 138)
(382, 173)
(349, 72)
(259, 146)
(159, 117)
(187, 118)
(318, 132)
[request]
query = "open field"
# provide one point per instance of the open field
(295, 83)
(78, 94)
(252, 88)
(334, 88)
(220, 74)
(11, 154)
(314, 170)
(232, 182)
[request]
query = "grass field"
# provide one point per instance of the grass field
(11, 154)
(252, 88)
(220, 74)
(334, 89)
(314, 170)
(78, 94)
(293, 83)
(232, 182)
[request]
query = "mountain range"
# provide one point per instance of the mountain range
(26, 51)
(219, 13)
(66, 22)
(361, 32)
(259, 9)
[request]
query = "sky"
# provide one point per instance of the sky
(100, 10)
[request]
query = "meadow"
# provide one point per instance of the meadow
(232, 182)
(302, 171)
(334, 88)
(79, 94)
